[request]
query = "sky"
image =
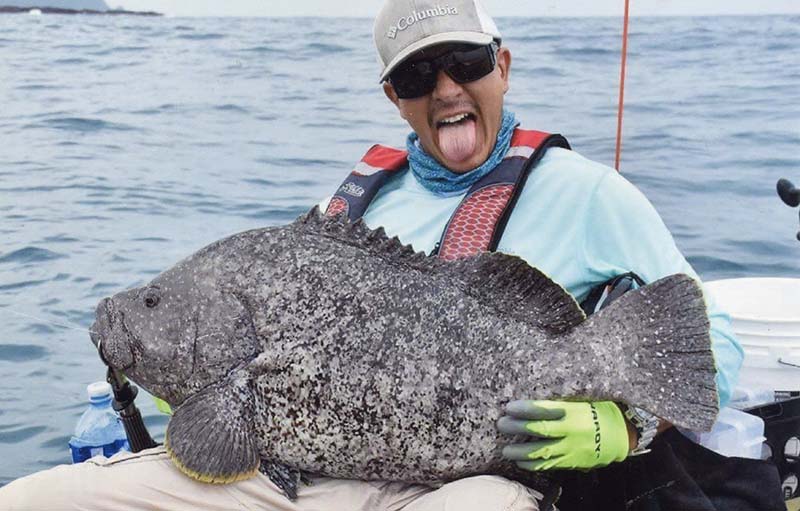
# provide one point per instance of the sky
(368, 8)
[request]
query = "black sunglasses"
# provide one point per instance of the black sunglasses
(418, 78)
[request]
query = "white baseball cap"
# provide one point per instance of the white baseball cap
(404, 27)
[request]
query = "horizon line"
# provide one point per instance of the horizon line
(554, 16)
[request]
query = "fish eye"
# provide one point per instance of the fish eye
(151, 298)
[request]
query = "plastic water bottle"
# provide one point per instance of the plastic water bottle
(99, 430)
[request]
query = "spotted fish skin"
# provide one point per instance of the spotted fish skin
(329, 348)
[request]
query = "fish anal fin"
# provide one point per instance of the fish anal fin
(511, 285)
(209, 437)
(284, 477)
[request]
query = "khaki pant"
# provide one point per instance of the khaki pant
(149, 481)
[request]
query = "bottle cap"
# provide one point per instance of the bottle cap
(98, 389)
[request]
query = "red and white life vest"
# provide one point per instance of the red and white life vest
(480, 219)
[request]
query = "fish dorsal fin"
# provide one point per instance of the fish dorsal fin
(357, 234)
(506, 283)
(510, 285)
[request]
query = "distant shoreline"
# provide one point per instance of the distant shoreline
(57, 10)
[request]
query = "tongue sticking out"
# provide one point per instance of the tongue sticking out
(457, 141)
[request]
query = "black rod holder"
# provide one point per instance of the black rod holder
(124, 395)
(789, 194)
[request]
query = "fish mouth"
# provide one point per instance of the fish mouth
(105, 335)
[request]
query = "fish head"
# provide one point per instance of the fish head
(178, 334)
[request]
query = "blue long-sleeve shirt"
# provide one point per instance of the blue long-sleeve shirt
(579, 222)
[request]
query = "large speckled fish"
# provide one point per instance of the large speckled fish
(326, 347)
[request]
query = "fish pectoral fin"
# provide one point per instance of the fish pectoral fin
(210, 438)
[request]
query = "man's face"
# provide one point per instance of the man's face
(459, 143)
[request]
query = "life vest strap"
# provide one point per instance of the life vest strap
(544, 144)
(480, 220)
(367, 178)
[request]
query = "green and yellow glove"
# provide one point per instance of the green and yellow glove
(573, 435)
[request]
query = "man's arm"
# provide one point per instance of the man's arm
(625, 233)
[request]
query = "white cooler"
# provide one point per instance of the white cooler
(765, 315)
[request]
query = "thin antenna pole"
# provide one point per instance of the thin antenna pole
(622, 84)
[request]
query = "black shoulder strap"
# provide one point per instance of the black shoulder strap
(536, 157)
(609, 291)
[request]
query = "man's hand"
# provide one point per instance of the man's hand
(572, 435)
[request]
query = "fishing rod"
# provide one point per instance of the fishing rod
(623, 67)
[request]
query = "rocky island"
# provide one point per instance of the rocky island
(66, 7)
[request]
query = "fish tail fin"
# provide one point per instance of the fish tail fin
(664, 360)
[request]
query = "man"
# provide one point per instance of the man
(461, 189)
(445, 69)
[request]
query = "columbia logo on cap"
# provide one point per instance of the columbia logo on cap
(407, 21)
(404, 27)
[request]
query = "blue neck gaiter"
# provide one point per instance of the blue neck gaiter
(436, 178)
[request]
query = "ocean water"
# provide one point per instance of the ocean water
(128, 143)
